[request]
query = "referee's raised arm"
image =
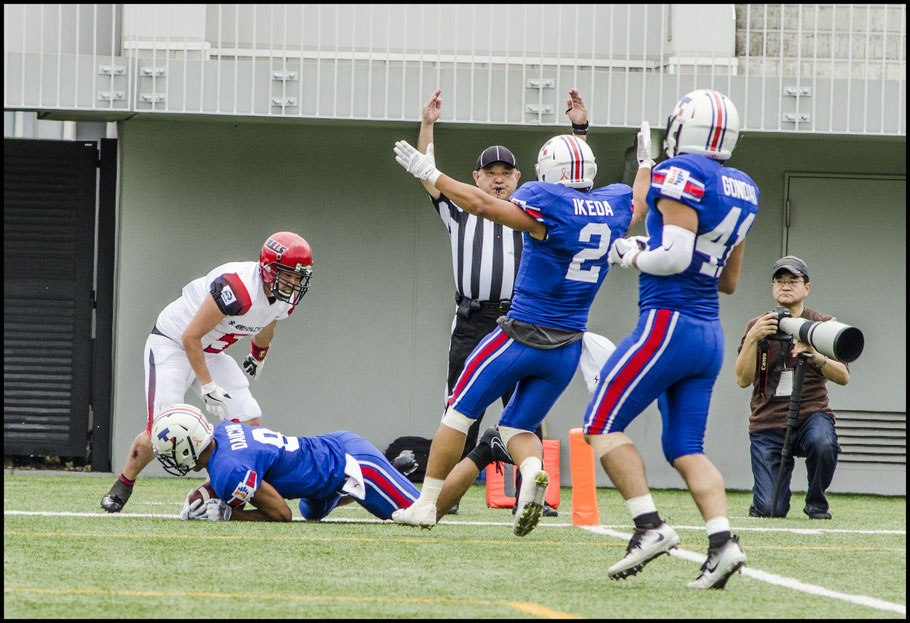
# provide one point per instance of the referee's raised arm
(431, 111)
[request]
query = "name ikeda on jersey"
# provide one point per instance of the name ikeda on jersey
(594, 208)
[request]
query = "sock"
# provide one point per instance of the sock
(644, 512)
(127, 481)
(529, 468)
(431, 490)
(718, 529)
(481, 455)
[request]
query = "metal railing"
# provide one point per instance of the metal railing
(803, 68)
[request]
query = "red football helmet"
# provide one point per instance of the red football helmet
(286, 253)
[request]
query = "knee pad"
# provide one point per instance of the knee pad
(606, 443)
(456, 420)
(507, 432)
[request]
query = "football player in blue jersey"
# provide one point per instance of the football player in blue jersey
(699, 214)
(568, 228)
(260, 466)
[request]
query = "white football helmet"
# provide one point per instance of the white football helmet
(704, 122)
(566, 160)
(179, 435)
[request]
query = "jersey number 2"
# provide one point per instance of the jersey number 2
(589, 275)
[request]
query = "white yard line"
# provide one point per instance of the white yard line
(546, 524)
(771, 578)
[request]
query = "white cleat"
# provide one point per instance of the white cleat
(720, 565)
(644, 546)
(530, 510)
(417, 514)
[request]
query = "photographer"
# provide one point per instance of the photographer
(767, 359)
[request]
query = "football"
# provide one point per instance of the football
(205, 492)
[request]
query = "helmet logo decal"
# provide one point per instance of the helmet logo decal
(275, 246)
(564, 176)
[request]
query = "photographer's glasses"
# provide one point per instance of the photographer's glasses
(791, 283)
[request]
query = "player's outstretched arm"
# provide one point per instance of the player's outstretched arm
(270, 506)
(469, 198)
(578, 113)
(642, 182)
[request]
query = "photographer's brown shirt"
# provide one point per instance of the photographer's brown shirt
(771, 412)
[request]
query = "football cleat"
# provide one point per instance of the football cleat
(497, 447)
(117, 497)
(644, 546)
(529, 510)
(419, 514)
(721, 563)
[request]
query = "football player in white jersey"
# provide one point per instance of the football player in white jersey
(186, 346)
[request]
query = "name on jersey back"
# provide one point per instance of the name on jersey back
(592, 207)
(236, 436)
(739, 189)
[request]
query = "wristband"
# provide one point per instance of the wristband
(580, 129)
(258, 353)
(823, 364)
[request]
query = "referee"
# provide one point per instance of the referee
(485, 255)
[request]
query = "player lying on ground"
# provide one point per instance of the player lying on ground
(260, 466)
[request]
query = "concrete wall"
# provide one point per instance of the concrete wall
(366, 350)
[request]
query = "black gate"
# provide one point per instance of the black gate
(56, 374)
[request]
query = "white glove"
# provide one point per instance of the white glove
(214, 398)
(644, 146)
(196, 510)
(624, 250)
(217, 510)
(253, 366)
(421, 166)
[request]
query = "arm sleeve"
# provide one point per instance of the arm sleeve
(673, 256)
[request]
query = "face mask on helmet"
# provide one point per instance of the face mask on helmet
(286, 256)
(705, 123)
(179, 435)
(566, 160)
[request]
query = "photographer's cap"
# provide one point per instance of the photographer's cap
(495, 153)
(791, 264)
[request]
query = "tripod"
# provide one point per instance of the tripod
(792, 415)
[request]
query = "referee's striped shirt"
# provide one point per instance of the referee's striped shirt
(485, 255)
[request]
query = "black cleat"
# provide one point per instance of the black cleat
(549, 511)
(500, 452)
(453, 510)
(117, 497)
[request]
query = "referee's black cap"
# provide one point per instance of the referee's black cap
(495, 153)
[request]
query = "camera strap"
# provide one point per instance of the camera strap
(768, 376)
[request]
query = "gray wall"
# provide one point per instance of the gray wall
(366, 350)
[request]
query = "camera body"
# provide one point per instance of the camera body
(781, 335)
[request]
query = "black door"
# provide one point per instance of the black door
(50, 367)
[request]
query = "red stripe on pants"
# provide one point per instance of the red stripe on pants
(631, 370)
